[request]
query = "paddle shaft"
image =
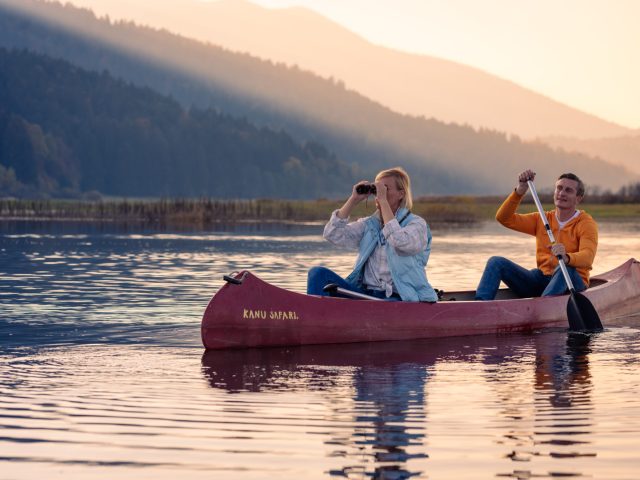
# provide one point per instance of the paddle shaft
(563, 267)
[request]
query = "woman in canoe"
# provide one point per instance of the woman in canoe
(393, 244)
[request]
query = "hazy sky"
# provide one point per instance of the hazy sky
(583, 53)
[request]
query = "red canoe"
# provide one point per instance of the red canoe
(253, 313)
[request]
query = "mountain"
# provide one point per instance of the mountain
(624, 151)
(442, 158)
(65, 131)
(412, 84)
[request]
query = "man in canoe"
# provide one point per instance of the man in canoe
(393, 243)
(576, 234)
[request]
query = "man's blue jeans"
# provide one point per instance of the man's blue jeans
(318, 277)
(523, 282)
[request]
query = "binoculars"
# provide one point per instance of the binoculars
(368, 189)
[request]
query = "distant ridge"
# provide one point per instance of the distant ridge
(442, 158)
(412, 84)
(624, 151)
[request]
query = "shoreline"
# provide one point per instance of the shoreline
(204, 212)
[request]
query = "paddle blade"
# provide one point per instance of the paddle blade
(582, 315)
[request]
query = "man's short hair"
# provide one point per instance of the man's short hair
(573, 176)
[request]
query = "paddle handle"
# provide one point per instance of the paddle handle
(563, 267)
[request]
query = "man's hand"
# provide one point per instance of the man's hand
(523, 178)
(558, 249)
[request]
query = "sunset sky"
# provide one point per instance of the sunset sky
(580, 52)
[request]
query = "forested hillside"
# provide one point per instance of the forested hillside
(64, 130)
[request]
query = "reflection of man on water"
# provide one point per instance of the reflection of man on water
(561, 421)
(562, 369)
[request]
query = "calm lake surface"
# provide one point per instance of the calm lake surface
(103, 375)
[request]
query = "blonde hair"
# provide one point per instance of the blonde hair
(403, 182)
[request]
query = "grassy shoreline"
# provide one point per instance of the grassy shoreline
(204, 211)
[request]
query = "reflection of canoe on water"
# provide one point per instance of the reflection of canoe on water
(320, 366)
(252, 313)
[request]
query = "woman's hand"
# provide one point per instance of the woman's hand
(381, 194)
(358, 197)
(353, 200)
(382, 203)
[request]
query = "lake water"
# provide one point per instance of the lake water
(102, 373)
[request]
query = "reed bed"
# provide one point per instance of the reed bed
(206, 211)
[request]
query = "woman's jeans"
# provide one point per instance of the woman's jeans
(318, 277)
(523, 282)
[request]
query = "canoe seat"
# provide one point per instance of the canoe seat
(596, 282)
(335, 291)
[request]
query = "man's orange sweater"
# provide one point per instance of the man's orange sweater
(579, 236)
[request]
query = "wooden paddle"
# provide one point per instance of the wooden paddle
(580, 312)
